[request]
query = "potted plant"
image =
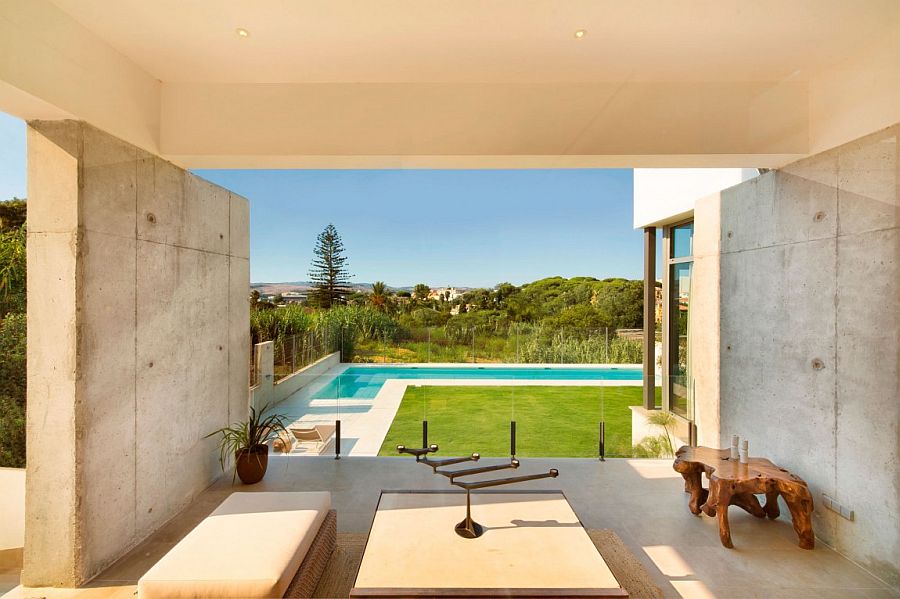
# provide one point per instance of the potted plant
(246, 441)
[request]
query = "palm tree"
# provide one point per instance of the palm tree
(379, 297)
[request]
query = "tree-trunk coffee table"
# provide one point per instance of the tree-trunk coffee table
(533, 546)
(733, 483)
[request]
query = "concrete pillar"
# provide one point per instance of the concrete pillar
(705, 330)
(138, 344)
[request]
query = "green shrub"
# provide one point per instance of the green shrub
(12, 357)
(12, 433)
(12, 270)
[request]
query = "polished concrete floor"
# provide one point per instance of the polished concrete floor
(641, 500)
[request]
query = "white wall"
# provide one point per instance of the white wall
(12, 508)
(665, 195)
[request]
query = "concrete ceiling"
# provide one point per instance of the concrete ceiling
(459, 83)
(525, 41)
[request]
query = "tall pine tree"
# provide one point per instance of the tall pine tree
(329, 270)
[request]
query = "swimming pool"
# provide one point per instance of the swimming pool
(364, 382)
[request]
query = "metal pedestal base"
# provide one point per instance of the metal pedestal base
(468, 528)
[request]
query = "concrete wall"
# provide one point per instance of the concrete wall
(138, 344)
(758, 103)
(270, 392)
(810, 330)
(12, 506)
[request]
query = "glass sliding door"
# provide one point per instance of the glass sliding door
(679, 311)
(678, 386)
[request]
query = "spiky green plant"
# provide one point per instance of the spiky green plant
(657, 446)
(243, 436)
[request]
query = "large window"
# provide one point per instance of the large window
(679, 264)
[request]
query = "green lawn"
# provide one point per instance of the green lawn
(550, 421)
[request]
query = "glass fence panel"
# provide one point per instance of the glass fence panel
(468, 418)
(557, 421)
(557, 384)
(406, 428)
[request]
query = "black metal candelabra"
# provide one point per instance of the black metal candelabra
(468, 528)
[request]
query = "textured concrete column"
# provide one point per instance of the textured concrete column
(705, 329)
(138, 344)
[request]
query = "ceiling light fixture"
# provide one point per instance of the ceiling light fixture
(242, 32)
(580, 33)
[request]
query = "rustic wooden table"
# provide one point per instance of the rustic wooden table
(733, 483)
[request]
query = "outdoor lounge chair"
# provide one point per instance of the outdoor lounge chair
(231, 553)
(318, 434)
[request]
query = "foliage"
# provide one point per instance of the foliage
(272, 325)
(329, 270)
(576, 346)
(583, 302)
(12, 357)
(12, 214)
(338, 329)
(12, 270)
(12, 433)
(258, 429)
(424, 317)
(653, 446)
(550, 421)
(380, 297)
(657, 446)
(12, 333)
(421, 291)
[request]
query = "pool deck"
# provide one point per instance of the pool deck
(365, 422)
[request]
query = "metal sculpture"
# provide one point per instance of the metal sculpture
(468, 528)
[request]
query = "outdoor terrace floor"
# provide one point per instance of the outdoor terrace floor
(641, 500)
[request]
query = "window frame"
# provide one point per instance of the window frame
(668, 261)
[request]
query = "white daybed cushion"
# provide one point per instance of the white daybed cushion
(250, 546)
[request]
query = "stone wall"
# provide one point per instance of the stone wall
(138, 344)
(809, 335)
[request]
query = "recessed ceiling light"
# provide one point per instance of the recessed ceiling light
(242, 32)
(580, 33)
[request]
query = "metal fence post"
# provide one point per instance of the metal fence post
(337, 439)
(602, 445)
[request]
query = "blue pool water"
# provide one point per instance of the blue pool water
(364, 382)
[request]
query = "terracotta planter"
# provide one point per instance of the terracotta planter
(251, 464)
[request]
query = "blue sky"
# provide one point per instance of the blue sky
(469, 228)
(12, 157)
